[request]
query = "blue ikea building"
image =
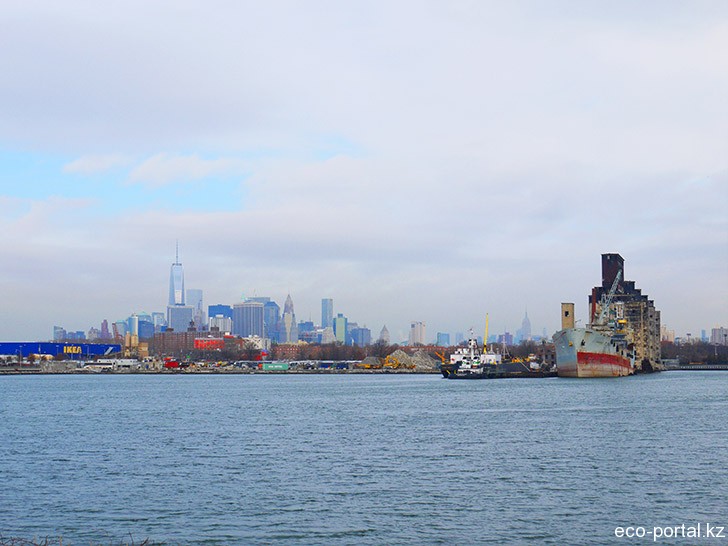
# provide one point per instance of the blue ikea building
(70, 351)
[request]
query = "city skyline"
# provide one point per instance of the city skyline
(426, 162)
(279, 328)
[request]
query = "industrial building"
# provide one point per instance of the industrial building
(642, 320)
(69, 351)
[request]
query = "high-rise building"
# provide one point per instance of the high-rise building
(220, 309)
(443, 340)
(248, 319)
(340, 328)
(146, 327)
(194, 300)
(132, 324)
(719, 336)
(159, 320)
(289, 328)
(271, 316)
(417, 334)
(59, 333)
(179, 314)
(384, 335)
(180, 318)
(221, 323)
(524, 332)
(176, 282)
(361, 337)
(105, 334)
(327, 312)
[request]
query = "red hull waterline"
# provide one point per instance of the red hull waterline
(596, 365)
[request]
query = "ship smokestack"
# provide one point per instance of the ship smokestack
(567, 315)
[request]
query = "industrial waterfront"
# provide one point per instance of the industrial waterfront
(358, 459)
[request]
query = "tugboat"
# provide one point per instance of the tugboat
(471, 363)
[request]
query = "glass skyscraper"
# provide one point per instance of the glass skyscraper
(176, 282)
(327, 312)
(248, 319)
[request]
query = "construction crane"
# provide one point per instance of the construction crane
(607, 301)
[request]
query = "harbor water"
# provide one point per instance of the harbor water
(360, 459)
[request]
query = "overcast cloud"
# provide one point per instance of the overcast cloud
(413, 160)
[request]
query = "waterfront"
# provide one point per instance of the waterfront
(359, 459)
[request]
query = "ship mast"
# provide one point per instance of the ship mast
(485, 339)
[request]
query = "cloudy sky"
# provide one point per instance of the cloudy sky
(413, 160)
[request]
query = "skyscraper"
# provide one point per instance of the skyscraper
(340, 323)
(176, 282)
(271, 316)
(327, 312)
(524, 333)
(194, 300)
(179, 315)
(289, 327)
(417, 333)
(248, 319)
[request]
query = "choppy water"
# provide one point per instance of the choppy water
(359, 459)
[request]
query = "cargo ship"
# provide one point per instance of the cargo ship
(586, 352)
(599, 350)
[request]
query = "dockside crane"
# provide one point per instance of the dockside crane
(607, 301)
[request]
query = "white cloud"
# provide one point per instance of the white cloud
(96, 164)
(163, 169)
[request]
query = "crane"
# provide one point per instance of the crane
(607, 301)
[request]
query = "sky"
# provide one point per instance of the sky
(413, 160)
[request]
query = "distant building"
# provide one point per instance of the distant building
(145, 328)
(132, 325)
(628, 303)
(384, 335)
(327, 312)
(340, 323)
(719, 336)
(505, 338)
(459, 338)
(180, 317)
(271, 319)
(327, 335)
(59, 334)
(220, 309)
(418, 333)
(194, 300)
(443, 340)
(524, 332)
(120, 328)
(179, 314)
(306, 326)
(667, 335)
(105, 334)
(176, 282)
(159, 320)
(289, 328)
(248, 319)
(361, 337)
(221, 323)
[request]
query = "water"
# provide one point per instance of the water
(359, 459)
